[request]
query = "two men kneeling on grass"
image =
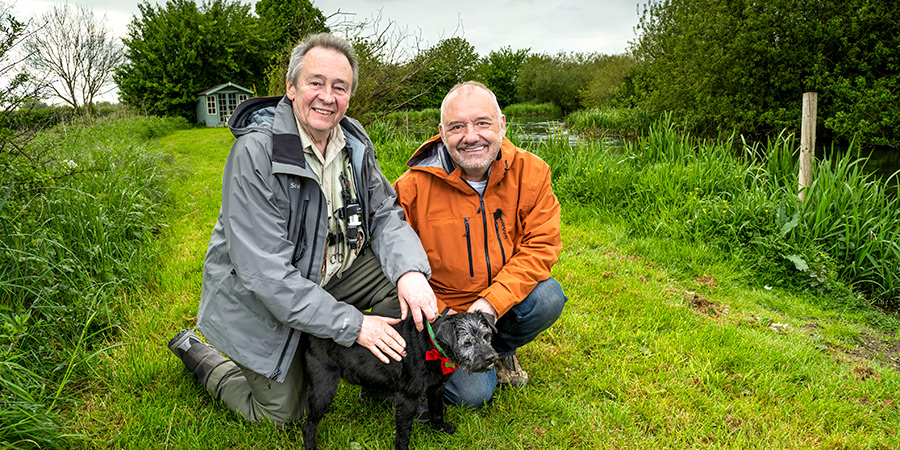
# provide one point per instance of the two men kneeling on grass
(310, 234)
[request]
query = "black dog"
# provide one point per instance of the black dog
(463, 339)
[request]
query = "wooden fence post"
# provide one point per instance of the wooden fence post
(807, 142)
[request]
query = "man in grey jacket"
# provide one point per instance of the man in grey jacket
(308, 235)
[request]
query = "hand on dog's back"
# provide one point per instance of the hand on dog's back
(379, 336)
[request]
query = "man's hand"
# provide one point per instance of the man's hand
(417, 297)
(381, 338)
(483, 305)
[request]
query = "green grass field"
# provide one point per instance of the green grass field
(645, 355)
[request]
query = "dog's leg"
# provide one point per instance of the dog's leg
(405, 408)
(323, 384)
(436, 410)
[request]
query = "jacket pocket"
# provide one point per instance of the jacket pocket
(498, 222)
(469, 249)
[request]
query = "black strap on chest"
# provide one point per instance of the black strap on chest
(351, 213)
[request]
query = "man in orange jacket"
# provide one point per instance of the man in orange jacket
(490, 224)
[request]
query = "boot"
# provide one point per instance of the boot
(510, 372)
(198, 357)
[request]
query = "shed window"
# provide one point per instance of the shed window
(210, 104)
(241, 98)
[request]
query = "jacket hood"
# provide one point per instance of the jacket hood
(255, 114)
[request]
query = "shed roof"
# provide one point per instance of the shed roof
(218, 88)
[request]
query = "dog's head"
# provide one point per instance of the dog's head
(466, 338)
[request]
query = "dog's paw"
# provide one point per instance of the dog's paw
(446, 427)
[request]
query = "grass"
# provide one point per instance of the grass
(81, 208)
(670, 337)
(646, 354)
(630, 122)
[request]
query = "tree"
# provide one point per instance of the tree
(744, 64)
(499, 70)
(75, 53)
(558, 79)
(290, 20)
(285, 23)
(437, 69)
(178, 50)
(18, 90)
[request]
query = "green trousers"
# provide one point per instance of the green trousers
(258, 398)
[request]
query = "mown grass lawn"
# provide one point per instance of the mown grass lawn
(643, 356)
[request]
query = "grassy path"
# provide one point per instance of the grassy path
(641, 358)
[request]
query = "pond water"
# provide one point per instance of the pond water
(539, 129)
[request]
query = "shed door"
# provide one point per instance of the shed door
(227, 103)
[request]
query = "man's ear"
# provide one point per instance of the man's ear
(289, 90)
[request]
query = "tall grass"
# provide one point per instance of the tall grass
(610, 121)
(80, 209)
(742, 199)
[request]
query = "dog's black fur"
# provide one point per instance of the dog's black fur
(464, 337)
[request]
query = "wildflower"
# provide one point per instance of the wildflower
(70, 164)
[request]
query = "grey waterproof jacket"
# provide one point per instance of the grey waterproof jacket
(260, 278)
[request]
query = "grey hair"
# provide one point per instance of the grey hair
(470, 85)
(324, 40)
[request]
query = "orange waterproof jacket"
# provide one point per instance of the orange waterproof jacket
(497, 246)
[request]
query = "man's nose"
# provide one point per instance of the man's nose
(471, 133)
(327, 95)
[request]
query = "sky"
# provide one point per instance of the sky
(603, 26)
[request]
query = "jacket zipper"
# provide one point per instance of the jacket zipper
(469, 248)
(277, 371)
(312, 258)
(302, 238)
(487, 257)
(500, 240)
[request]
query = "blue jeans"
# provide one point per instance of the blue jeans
(519, 326)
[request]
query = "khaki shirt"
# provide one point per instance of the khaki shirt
(338, 253)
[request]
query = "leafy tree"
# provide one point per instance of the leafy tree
(285, 23)
(289, 20)
(178, 50)
(745, 63)
(556, 79)
(498, 71)
(606, 80)
(18, 92)
(76, 53)
(437, 70)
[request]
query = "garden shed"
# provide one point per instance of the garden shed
(215, 105)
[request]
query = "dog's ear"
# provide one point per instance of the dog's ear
(488, 320)
(445, 333)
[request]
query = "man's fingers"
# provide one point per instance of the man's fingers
(417, 318)
(403, 309)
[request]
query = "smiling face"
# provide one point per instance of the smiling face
(321, 94)
(472, 128)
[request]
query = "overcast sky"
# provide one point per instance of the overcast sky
(603, 26)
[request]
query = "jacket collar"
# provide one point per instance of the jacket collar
(432, 156)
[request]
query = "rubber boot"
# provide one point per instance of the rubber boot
(198, 357)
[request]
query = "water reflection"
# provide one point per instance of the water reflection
(536, 130)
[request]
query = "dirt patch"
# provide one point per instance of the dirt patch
(704, 305)
(705, 280)
(864, 372)
(881, 347)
